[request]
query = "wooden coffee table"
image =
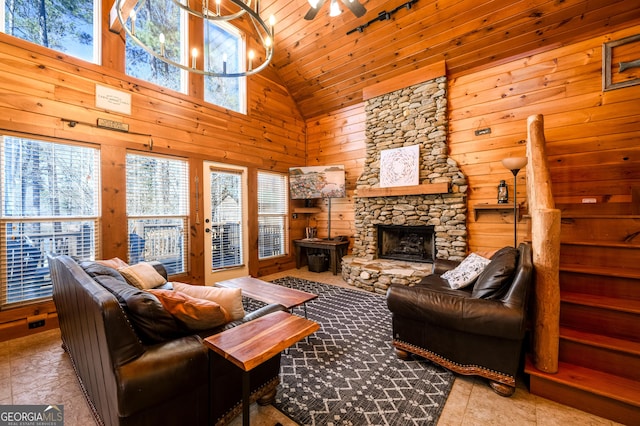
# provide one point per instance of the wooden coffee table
(252, 343)
(269, 293)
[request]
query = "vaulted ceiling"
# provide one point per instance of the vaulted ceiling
(325, 69)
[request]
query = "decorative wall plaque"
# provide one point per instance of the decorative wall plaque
(399, 166)
(621, 63)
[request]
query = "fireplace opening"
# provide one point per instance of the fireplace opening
(409, 243)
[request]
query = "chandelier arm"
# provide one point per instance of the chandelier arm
(213, 17)
(257, 22)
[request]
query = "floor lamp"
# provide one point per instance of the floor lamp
(515, 164)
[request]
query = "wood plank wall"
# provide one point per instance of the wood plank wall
(337, 138)
(41, 90)
(592, 136)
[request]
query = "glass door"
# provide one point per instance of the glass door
(225, 204)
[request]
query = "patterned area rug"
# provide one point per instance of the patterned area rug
(347, 372)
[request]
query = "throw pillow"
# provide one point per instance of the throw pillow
(114, 262)
(494, 280)
(142, 275)
(152, 322)
(194, 314)
(95, 269)
(466, 272)
(229, 298)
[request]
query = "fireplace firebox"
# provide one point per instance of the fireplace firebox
(409, 243)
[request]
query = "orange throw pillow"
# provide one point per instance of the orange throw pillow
(194, 314)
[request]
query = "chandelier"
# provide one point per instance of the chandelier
(233, 9)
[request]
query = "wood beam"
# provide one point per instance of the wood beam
(545, 237)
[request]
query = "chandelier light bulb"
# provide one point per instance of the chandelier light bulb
(194, 57)
(132, 16)
(161, 39)
(334, 10)
(251, 55)
(267, 42)
(313, 3)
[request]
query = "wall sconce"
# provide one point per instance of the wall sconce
(515, 164)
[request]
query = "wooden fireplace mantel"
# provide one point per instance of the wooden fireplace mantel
(398, 191)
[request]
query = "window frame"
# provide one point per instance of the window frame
(97, 33)
(282, 199)
(31, 249)
(242, 81)
(159, 237)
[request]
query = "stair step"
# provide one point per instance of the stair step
(602, 302)
(607, 271)
(606, 395)
(600, 352)
(607, 342)
(597, 382)
(600, 253)
(618, 318)
(579, 281)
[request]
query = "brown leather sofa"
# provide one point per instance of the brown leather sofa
(478, 330)
(137, 369)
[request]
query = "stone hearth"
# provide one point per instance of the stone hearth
(416, 115)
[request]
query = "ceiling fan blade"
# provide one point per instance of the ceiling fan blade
(313, 11)
(355, 7)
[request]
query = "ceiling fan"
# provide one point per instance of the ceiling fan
(353, 5)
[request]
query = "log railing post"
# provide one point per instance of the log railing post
(545, 237)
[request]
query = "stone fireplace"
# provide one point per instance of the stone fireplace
(416, 115)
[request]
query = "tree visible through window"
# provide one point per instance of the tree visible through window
(50, 204)
(157, 210)
(153, 19)
(225, 50)
(69, 26)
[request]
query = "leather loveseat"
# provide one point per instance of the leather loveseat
(477, 330)
(139, 370)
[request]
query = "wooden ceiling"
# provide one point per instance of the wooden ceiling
(325, 69)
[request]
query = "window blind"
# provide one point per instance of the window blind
(272, 214)
(158, 210)
(50, 204)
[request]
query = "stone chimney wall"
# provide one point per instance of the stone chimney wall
(416, 115)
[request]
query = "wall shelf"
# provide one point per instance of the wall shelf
(307, 210)
(477, 208)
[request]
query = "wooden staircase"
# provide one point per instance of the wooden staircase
(599, 356)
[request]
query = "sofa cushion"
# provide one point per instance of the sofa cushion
(229, 298)
(152, 322)
(194, 314)
(495, 278)
(466, 272)
(114, 262)
(142, 275)
(95, 269)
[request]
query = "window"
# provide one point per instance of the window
(272, 214)
(225, 49)
(157, 210)
(50, 204)
(72, 27)
(152, 20)
(226, 218)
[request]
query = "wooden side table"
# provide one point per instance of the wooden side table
(336, 249)
(252, 343)
(269, 293)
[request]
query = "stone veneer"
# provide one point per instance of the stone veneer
(410, 116)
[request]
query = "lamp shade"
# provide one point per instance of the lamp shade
(514, 163)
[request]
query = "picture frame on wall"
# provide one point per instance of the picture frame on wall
(621, 63)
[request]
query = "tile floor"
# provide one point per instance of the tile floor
(35, 370)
